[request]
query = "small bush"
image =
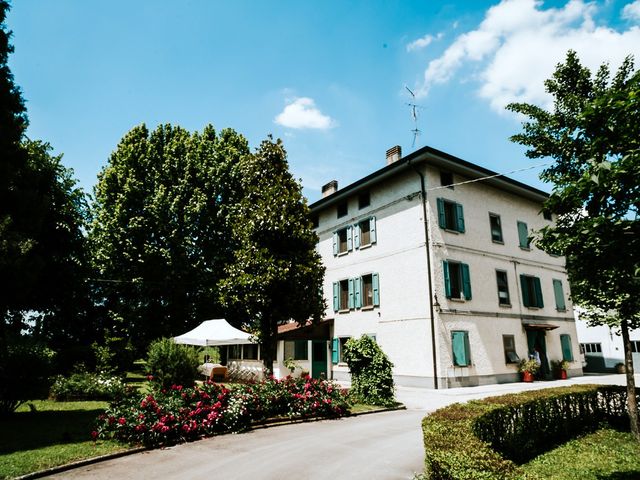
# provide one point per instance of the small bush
(177, 414)
(171, 363)
(371, 372)
(83, 385)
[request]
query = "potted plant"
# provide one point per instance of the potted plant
(560, 368)
(528, 368)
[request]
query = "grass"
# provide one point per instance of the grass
(47, 434)
(604, 454)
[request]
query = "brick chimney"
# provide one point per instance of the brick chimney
(329, 188)
(394, 154)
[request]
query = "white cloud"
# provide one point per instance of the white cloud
(303, 113)
(424, 42)
(631, 11)
(518, 44)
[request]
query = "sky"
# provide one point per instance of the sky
(328, 77)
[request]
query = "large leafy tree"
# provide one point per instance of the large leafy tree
(159, 237)
(276, 274)
(593, 136)
(41, 217)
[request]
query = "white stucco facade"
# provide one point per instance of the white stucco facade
(407, 295)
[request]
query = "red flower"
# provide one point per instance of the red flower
(122, 421)
(149, 377)
(94, 435)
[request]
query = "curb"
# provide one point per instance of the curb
(131, 451)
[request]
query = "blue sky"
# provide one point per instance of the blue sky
(327, 77)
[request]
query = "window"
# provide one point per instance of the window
(360, 292)
(337, 349)
(523, 235)
(546, 215)
(342, 209)
(364, 233)
(460, 348)
(250, 351)
(635, 346)
(450, 215)
(315, 220)
(342, 241)
(457, 281)
(531, 291)
(503, 288)
(567, 351)
(559, 295)
(591, 347)
(509, 345)
(446, 179)
(296, 349)
(364, 200)
(496, 228)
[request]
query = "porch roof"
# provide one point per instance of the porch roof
(310, 331)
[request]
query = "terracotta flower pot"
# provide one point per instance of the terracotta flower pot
(527, 377)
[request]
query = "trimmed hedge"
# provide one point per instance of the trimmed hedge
(486, 439)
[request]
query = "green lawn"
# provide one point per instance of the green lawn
(604, 454)
(52, 434)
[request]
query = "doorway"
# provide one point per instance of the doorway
(318, 358)
(536, 341)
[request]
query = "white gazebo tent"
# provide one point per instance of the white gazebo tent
(212, 333)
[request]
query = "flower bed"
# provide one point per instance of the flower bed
(485, 438)
(180, 414)
(83, 385)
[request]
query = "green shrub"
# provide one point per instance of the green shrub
(25, 368)
(481, 438)
(83, 385)
(371, 372)
(170, 363)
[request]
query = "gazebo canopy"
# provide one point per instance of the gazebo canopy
(214, 332)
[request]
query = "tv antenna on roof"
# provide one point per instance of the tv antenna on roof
(414, 115)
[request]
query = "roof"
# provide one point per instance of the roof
(309, 331)
(440, 159)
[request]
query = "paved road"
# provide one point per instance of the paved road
(377, 446)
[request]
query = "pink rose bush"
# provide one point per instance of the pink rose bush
(179, 414)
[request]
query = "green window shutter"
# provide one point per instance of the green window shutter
(372, 229)
(447, 279)
(335, 243)
(523, 234)
(460, 348)
(442, 219)
(538, 288)
(459, 218)
(376, 289)
(524, 286)
(567, 353)
(358, 291)
(466, 281)
(351, 293)
(336, 296)
(335, 347)
(349, 240)
(559, 294)
(356, 236)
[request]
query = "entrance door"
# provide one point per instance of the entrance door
(536, 340)
(318, 358)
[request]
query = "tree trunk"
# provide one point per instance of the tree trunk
(632, 403)
(268, 346)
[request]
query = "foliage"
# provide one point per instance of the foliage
(44, 434)
(593, 136)
(25, 367)
(528, 365)
(371, 372)
(477, 439)
(171, 363)
(159, 237)
(114, 355)
(606, 453)
(83, 385)
(179, 414)
(559, 365)
(275, 274)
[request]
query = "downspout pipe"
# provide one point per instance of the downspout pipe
(425, 222)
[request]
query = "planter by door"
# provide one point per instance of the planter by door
(561, 374)
(527, 377)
